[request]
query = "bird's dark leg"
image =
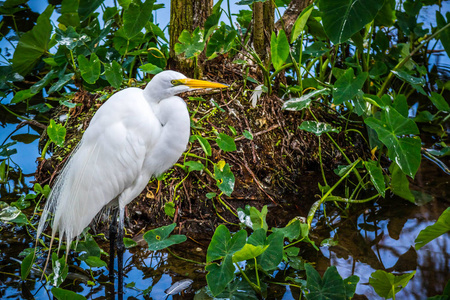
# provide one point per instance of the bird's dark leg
(112, 244)
(120, 250)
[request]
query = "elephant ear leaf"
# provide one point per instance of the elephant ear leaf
(33, 44)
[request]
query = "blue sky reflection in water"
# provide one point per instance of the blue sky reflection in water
(394, 230)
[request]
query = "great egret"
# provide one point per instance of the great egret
(135, 135)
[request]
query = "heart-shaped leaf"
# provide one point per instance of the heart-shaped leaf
(343, 18)
(405, 151)
(160, 238)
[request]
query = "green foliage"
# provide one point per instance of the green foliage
(224, 176)
(90, 69)
(160, 238)
(442, 226)
(136, 15)
(317, 128)
(33, 44)
(26, 265)
(60, 269)
(405, 151)
(347, 86)
(279, 47)
(387, 285)
(56, 133)
(263, 253)
(190, 44)
(226, 142)
(331, 286)
(343, 18)
(113, 73)
(62, 294)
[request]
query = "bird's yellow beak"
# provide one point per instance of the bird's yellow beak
(198, 84)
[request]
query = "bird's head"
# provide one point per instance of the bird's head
(170, 83)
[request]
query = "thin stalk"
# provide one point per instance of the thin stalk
(254, 286)
(321, 164)
(186, 259)
(407, 58)
(339, 148)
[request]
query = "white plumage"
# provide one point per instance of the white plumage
(135, 135)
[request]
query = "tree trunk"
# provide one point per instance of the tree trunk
(263, 26)
(291, 14)
(186, 14)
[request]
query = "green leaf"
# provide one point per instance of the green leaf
(248, 135)
(95, 262)
(249, 251)
(279, 47)
(343, 18)
(38, 86)
(219, 277)
(220, 42)
(222, 244)
(70, 38)
(90, 247)
(124, 3)
(213, 19)
(190, 45)
(300, 23)
(225, 178)
(87, 7)
(113, 73)
(444, 36)
(405, 151)
(376, 176)
(226, 142)
(150, 68)
(169, 209)
(22, 95)
(194, 165)
(90, 69)
(400, 184)
(246, 219)
(62, 294)
(350, 285)
(304, 101)
(158, 239)
(204, 144)
(210, 195)
(56, 133)
(60, 270)
(61, 83)
(291, 231)
(439, 102)
(273, 255)
(33, 44)
(331, 286)
(318, 128)
(258, 218)
(26, 265)
(415, 82)
(439, 228)
(69, 13)
(386, 285)
(129, 243)
(347, 86)
(136, 15)
(386, 15)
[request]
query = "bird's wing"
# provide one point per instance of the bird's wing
(108, 161)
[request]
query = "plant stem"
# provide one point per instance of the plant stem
(407, 58)
(185, 259)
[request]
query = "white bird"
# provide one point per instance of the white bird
(135, 135)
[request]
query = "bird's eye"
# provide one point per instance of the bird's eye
(174, 82)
